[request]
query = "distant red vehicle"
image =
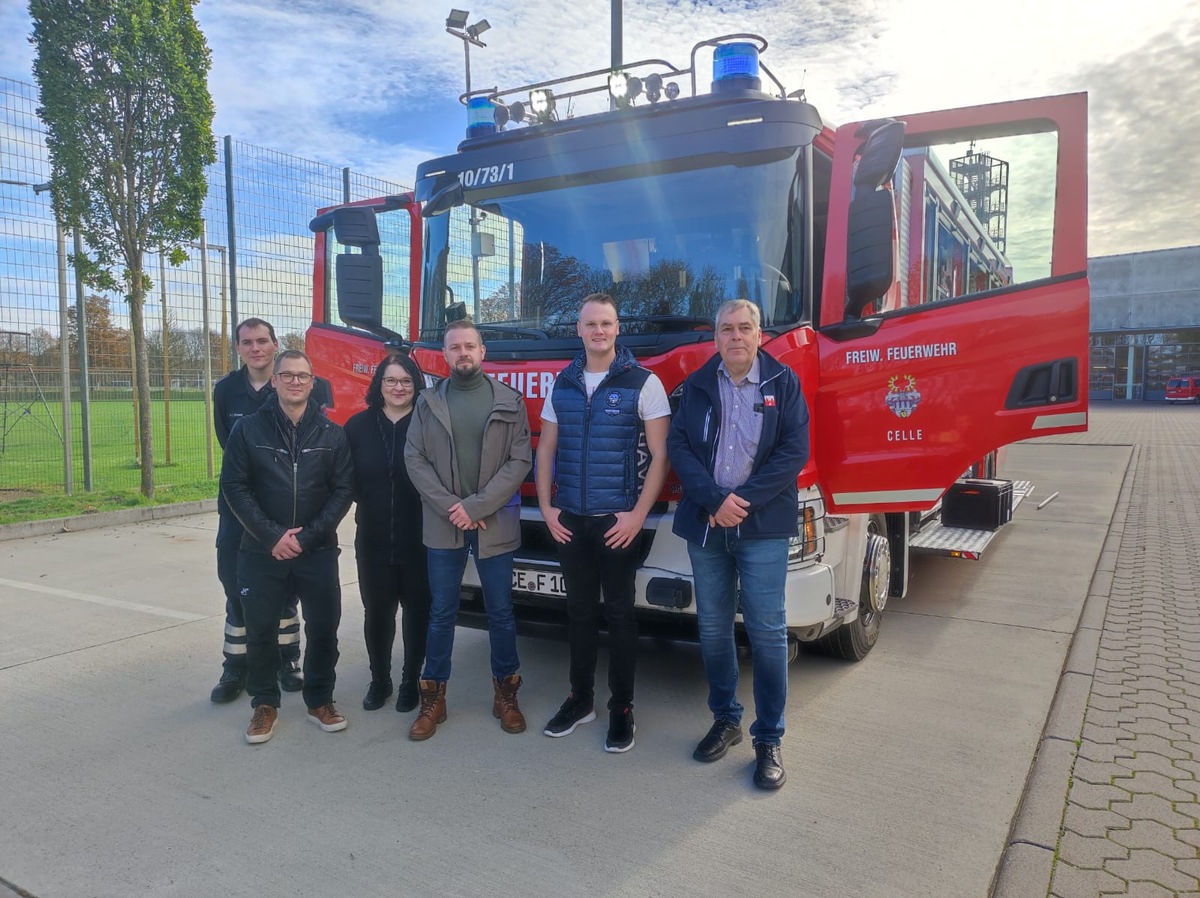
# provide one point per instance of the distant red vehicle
(1184, 388)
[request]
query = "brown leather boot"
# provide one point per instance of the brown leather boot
(433, 710)
(504, 704)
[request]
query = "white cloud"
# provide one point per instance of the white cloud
(374, 86)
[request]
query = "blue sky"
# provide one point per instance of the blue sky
(374, 85)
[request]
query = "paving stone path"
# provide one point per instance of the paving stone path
(1131, 821)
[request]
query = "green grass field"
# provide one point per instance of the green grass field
(31, 460)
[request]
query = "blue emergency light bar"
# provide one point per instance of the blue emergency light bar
(481, 117)
(735, 67)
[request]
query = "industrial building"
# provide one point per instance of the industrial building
(1145, 322)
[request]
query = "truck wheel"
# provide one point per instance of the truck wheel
(853, 641)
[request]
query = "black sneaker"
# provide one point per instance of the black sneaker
(620, 730)
(407, 695)
(573, 712)
(377, 693)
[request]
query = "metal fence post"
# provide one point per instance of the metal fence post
(346, 184)
(230, 215)
(65, 353)
(85, 388)
(208, 385)
(166, 347)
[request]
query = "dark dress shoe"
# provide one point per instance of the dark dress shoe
(768, 774)
(377, 694)
(407, 695)
(228, 687)
(290, 678)
(721, 737)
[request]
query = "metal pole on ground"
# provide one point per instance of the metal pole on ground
(208, 385)
(231, 227)
(166, 346)
(85, 388)
(137, 430)
(65, 353)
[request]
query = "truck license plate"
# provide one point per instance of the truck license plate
(546, 583)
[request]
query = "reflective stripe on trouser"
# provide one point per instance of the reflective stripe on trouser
(235, 618)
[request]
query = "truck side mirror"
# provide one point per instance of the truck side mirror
(871, 250)
(447, 193)
(359, 275)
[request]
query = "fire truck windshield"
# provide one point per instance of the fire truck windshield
(670, 246)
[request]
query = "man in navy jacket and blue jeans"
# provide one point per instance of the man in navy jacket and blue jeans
(738, 443)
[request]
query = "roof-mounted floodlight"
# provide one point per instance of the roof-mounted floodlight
(541, 103)
(624, 88)
(654, 86)
(456, 24)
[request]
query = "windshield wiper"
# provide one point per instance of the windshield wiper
(536, 333)
(673, 322)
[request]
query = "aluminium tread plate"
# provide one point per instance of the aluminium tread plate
(961, 542)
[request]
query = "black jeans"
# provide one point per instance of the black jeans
(267, 586)
(229, 538)
(386, 587)
(590, 568)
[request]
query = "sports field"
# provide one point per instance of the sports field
(31, 451)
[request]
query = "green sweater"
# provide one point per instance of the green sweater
(470, 401)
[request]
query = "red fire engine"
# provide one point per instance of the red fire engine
(923, 349)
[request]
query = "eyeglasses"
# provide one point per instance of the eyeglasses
(288, 377)
(393, 382)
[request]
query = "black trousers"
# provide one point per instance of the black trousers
(268, 585)
(591, 569)
(229, 538)
(386, 588)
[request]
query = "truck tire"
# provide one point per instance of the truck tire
(853, 641)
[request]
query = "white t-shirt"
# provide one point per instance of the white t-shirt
(652, 401)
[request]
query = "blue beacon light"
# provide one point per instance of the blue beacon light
(735, 67)
(481, 117)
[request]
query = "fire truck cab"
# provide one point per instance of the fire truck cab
(924, 337)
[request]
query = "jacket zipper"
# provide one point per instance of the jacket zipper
(295, 453)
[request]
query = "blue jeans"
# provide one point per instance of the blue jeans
(761, 566)
(446, 568)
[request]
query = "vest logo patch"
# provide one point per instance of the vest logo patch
(613, 399)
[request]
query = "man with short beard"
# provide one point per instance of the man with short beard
(468, 452)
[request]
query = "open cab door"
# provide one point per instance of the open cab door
(954, 310)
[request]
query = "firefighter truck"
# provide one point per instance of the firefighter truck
(921, 349)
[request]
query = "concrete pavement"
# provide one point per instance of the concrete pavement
(118, 777)
(1123, 741)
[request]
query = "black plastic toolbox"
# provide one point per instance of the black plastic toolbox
(978, 504)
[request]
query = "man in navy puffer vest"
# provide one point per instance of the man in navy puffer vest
(604, 445)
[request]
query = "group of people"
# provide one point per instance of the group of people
(436, 475)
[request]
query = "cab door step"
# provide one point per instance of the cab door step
(961, 542)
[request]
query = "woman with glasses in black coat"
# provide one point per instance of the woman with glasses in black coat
(392, 572)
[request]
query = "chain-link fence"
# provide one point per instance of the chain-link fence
(257, 261)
